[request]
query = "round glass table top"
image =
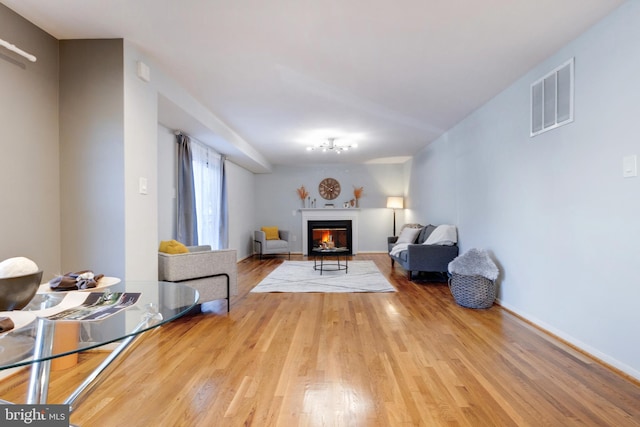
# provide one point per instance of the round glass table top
(82, 320)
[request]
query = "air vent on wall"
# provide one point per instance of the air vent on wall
(552, 99)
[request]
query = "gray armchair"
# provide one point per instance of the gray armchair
(213, 273)
(270, 247)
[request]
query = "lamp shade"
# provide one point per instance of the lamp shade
(395, 202)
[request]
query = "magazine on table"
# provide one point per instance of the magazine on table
(96, 306)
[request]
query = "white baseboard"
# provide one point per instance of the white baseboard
(583, 347)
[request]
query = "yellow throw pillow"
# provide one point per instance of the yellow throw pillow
(271, 233)
(173, 247)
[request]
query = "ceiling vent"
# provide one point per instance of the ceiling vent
(552, 99)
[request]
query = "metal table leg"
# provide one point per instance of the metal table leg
(39, 378)
(40, 371)
(150, 317)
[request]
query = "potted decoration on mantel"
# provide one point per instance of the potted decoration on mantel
(357, 193)
(303, 194)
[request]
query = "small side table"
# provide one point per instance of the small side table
(333, 266)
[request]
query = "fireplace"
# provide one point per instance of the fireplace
(329, 234)
(332, 216)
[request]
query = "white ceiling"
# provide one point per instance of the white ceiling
(391, 76)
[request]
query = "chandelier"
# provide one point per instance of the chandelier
(331, 145)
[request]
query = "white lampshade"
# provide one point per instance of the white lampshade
(395, 202)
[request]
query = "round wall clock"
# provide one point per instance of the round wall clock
(329, 188)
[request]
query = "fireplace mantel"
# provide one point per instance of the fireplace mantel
(330, 214)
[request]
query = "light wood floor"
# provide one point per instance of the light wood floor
(408, 358)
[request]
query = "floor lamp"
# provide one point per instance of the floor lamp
(395, 203)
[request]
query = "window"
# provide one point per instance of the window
(552, 99)
(207, 177)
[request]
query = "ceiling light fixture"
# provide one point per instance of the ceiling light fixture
(331, 145)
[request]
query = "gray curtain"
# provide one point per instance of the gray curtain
(223, 236)
(187, 226)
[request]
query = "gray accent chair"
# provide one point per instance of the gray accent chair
(213, 273)
(419, 257)
(272, 247)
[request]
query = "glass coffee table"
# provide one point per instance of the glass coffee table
(323, 253)
(38, 339)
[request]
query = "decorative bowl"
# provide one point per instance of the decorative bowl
(16, 292)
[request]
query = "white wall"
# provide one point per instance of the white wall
(554, 210)
(29, 164)
(108, 143)
(166, 184)
(92, 156)
(140, 161)
(242, 209)
(277, 201)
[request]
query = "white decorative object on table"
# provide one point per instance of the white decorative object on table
(19, 281)
(17, 266)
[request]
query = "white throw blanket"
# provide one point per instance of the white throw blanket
(443, 235)
(399, 248)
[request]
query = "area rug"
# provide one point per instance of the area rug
(299, 276)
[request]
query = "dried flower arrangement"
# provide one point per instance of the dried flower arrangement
(302, 193)
(357, 192)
